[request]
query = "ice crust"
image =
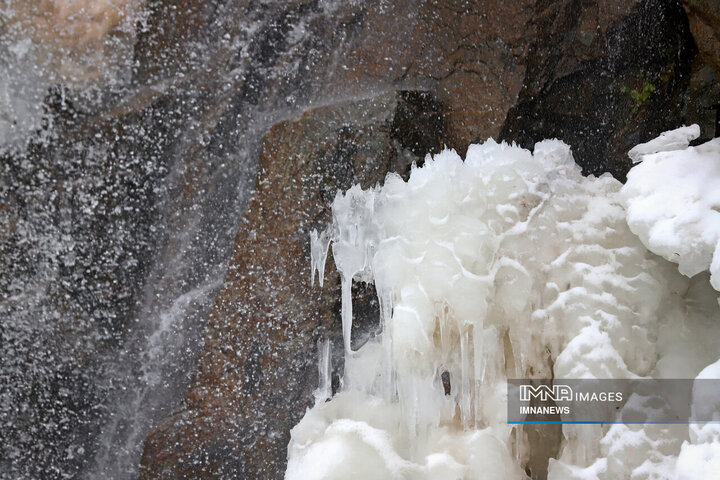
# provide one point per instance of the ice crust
(673, 202)
(509, 264)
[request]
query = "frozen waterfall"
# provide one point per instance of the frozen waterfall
(510, 264)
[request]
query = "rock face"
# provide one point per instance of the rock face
(471, 54)
(258, 370)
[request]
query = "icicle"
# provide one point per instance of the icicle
(319, 244)
(464, 378)
(385, 301)
(346, 311)
(324, 390)
(353, 246)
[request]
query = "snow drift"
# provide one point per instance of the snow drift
(509, 264)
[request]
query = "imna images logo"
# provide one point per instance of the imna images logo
(544, 393)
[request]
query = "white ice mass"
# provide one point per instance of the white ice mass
(511, 264)
(673, 201)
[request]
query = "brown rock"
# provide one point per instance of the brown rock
(79, 43)
(704, 18)
(470, 53)
(258, 369)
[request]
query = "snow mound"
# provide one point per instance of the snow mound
(673, 202)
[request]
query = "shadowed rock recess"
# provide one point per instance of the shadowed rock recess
(154, 219)
(604, 77)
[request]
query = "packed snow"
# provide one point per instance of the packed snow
(509, 264)
(673, 201)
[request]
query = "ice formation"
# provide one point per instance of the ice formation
(673, 201)
(509, 264)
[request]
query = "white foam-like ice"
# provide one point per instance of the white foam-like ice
(509, 264)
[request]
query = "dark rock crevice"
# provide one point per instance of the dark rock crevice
(603, 105)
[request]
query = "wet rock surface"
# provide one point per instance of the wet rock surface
(258, 368)
(77, 223)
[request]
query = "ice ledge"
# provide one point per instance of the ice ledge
(678, 139)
